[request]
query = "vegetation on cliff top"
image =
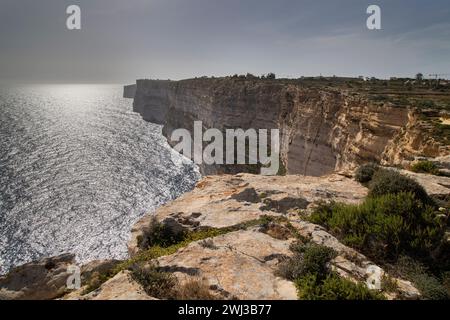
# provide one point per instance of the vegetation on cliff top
(425, 167)
(397, 222)
(310, 269)
(159, 240)
(161, 284)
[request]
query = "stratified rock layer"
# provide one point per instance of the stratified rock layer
(323, 129)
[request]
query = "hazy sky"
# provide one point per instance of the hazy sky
(122, 40)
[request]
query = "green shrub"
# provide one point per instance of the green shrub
(388, 284)
(380, 98)
(426, 104)
(425, 167)
(391, 182)
(316, 259)
(307, 259)
(446, 281)
(311, 270)
(159, 234)
(406, 267)
(384, 227)
(365, 172)
(430, 286)
(156, 283)
(322, 213)
(333, 287)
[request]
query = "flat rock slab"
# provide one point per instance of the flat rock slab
(239, 265)
(433, 185)
(120, 287)
(227, 200)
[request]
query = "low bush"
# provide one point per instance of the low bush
(164, 285)
(425, 167)
(388, 284)
(310, 269)
(391, 182)
(384, 227)
(195, 289)
(426, 104)
(333, 287)
(380, 98)
(365, 172)
(159, 234)
(156, 283)
(307, 259)
(430, 286)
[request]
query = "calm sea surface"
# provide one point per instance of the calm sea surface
(77, 169)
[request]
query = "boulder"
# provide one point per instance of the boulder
(39, 280)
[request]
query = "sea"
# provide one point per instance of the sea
(77, 169)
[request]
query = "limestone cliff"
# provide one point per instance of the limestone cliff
(323, 128)
(129, 91)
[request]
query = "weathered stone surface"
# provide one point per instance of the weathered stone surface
(240, 265)
(40, 280)
(223, 201)
(93, 268)
(415, 139)
(433, 185)
(234, 262)
(120, 287)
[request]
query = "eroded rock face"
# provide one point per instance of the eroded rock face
(41, 280)
(322, 129)
(416, 139)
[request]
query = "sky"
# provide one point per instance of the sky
(121, 41)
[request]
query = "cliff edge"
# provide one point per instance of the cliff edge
(325, 125)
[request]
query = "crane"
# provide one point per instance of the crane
(437, 75)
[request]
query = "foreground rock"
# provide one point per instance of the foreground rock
(238, 265)
(42, 280)
(119, 287)
(224, 201)
(242, 264)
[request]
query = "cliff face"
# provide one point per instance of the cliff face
(323, 129)
(129, 91)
